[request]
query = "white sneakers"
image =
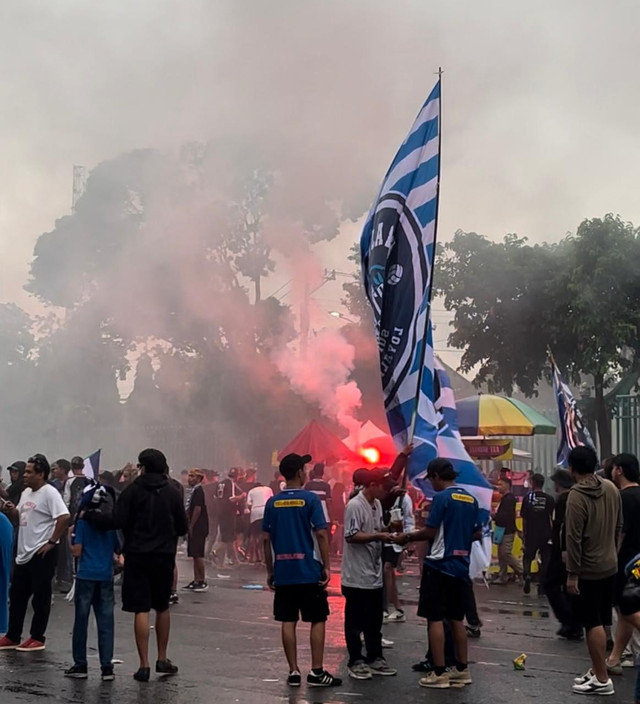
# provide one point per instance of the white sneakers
(590, 684)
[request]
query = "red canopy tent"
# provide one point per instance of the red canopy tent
(319, 442)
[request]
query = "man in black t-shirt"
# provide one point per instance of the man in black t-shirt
(198, 530)
(626, 476)
(210, 488)
(230, 496)
(74, 486)
(505, 519)
(537, 518)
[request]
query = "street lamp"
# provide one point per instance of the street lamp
(338, 314)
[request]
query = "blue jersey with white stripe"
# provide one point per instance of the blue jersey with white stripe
(291, 518)
(456, 517)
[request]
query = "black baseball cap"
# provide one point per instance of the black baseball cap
(293, 463)
(375, 476)
(359, 476)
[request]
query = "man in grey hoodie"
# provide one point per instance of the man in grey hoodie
(593, 522)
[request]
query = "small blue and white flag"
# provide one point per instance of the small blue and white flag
(92, 465)
(572, 430)
(397, 250)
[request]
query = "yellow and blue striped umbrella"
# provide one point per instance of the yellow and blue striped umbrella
(488, 415)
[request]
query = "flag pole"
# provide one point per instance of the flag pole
(423, 350)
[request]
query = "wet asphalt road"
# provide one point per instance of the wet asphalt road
(228, 651)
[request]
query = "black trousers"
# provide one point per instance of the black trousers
(531, 547)
(363, 617)
(555, 591)
(32, 579)
(471, 610)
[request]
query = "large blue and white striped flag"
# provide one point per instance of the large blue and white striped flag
(571, 429)
(451, 447)
(397, 250)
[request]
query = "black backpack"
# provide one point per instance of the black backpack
(97, 506)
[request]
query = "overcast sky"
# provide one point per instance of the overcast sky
(541, 102)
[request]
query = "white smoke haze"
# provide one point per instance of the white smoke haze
(540, 131)
(322, 376)
(537, 102)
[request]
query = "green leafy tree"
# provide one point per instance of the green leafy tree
(511, 301)
(17, 367)
(172, 250)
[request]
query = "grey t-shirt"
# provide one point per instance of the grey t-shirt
(362, 562)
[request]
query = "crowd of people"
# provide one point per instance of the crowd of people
(47, 512)
(586, 542)
(59, 527)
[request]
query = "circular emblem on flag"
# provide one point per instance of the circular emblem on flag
(395, 275)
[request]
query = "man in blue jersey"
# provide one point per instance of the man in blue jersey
(296, 551)
(452, 526)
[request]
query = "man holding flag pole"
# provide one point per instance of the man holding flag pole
(397, 249)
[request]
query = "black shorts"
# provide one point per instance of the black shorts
(442, 596)
(196, 542)
(255, 530)
(592, 607)
(228, 526)
(307, 601)
(390, 556)
(147, 581)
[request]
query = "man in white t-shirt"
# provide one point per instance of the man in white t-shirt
(256, 501)
(43, 519)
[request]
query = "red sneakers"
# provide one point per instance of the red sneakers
(6, 644)
(30, 645)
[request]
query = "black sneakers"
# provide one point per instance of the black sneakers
(142, 675)
(77, 672)
(324, 679)
(174, 599)
(294, 679)
(108, 674)
(191, 586)
(200, 587)
(166, 668)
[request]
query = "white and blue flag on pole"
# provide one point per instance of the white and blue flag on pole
(397, 250)
(571, 429)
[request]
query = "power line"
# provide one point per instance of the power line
(273, 295)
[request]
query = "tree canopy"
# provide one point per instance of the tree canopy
(160, 266)
(512, 301)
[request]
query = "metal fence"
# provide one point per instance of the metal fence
(626, 424)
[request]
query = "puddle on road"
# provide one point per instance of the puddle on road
(515, 608)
